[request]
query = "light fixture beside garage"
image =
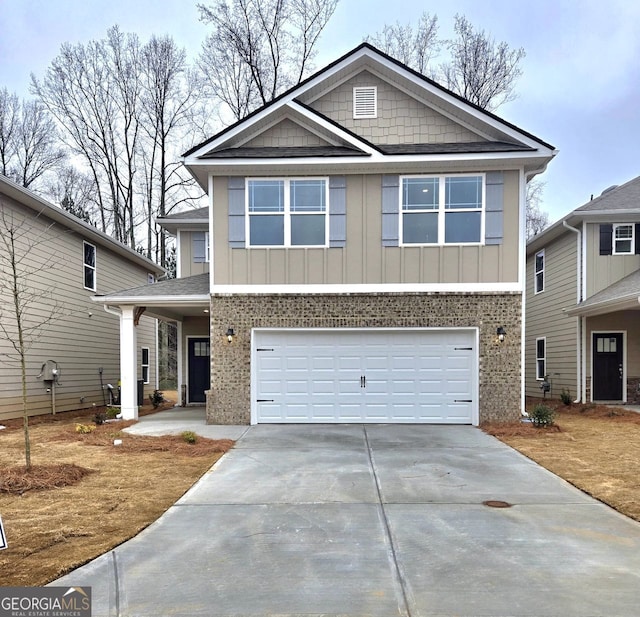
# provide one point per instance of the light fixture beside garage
(501, 332)
(230, 335)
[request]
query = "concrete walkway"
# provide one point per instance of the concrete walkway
(374, 520)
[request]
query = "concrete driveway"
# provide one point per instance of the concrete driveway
(374, 520)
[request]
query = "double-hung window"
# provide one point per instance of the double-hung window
(144, 363)
(89, 266)
(541, 358)
(442, 209)
(539, 272)
(623, 240)
(287, 212)
(200, 246)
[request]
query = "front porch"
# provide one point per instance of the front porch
(610, 343)
(186, 303)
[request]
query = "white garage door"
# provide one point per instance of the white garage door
(369, 375)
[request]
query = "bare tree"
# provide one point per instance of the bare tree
(412, 45)
(170, 97)
(93, 91)
(74, 191)
(259, 48)
(537, 220)
(26, 306)
(28, 140)
(481, 70)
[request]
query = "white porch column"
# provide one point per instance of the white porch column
(128, 364)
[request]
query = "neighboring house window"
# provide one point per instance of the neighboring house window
(89, 266)
(539, 273)
(151, 279)
(365, 102)
(442, 210)
(623, 240)
(145, 364)
(200, 244)
(541, 358)
(287, 212)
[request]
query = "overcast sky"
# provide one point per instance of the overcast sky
(580, 89)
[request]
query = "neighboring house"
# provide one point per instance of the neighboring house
(82, 342)
(583, 294)
(365, 240)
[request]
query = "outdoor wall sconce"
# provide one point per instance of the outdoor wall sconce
(501, 332)
(230, 335)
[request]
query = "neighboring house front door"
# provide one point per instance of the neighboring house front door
(199, 369)
(608, 367)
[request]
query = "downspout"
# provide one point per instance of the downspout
(579, 299)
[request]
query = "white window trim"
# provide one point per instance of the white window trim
(441, 210)
(94, 267)
(632, 239)
(286, 213)
(536, 272)
(543, 358)
(147, 365)
(374, 91)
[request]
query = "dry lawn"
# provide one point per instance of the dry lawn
(118, 491)
(596, 448)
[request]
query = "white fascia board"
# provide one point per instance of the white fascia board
(631, 301)
(151, 300)
(517, 158)
(484, 288)
(329, 126)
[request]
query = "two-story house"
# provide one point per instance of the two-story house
(73, 345)
(583, 294)
(365, 254)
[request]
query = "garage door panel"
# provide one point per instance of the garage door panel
(409, 376)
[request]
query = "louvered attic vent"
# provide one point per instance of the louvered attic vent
(365, 102)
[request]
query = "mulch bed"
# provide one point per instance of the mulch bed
(20, 479)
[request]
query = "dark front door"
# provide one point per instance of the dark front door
(607, 367)
(199, 369)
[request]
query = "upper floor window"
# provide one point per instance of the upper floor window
(442, 210)
(623, 239)
(539, 272)
(200, 246)
(89, 266)
(287, 212)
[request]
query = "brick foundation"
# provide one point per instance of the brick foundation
(228, 401)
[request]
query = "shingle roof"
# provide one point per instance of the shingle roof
(454, 148)
(624, 197)
(197, 285)
(187, 215)
(627, 288)
(283, 152)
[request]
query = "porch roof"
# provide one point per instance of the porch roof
(621, 295)
(170, 299)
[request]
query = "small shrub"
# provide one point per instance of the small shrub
(565, 397)
(84, 429)
(157, 398)
(100, 417)
(112, 412)
(542, 415)
(189, 436)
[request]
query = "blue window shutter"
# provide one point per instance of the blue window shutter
(236, 189)
(337, 211)
(390, 210)
(493, 224)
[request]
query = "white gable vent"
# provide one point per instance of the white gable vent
(365, 102)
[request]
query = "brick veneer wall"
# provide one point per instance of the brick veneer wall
(228, 401)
